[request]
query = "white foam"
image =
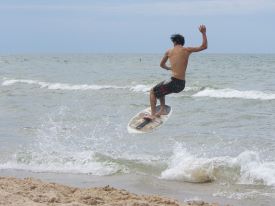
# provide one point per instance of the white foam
(246, 168)
(192, 89)
(185, 167)
(9, 82)
(237, 195)
(77, 162)
(139, 88)
(231, 93)
(243, 195)
(60, 86)
(254, 170)
(59, 146)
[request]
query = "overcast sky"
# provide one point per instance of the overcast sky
(233, 26)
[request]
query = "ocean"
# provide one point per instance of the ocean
(66, 115)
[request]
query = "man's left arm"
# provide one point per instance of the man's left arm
(164, 60)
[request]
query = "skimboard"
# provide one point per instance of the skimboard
(140, 125)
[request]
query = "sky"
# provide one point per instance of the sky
(143, 26)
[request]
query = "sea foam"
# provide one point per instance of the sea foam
(60, 146)
(139, 88)
(246, 168)
(232, 93)
(74, 162)
(60, 86)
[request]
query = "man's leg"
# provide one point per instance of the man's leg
(158, 90)
(162, 107)
(162, 102)
(153, 102)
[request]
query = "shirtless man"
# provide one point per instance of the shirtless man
(178, 57)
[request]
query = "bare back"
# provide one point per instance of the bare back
(178, 57)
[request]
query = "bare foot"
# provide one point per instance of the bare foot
(150, 117)
(161, 112)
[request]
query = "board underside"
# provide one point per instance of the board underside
(140, 125)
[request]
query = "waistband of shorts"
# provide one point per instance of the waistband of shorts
(175, 79)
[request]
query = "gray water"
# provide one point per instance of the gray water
(68, 114)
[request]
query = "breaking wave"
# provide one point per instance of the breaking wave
(246, 168)
(64, 86)
(232, 93)
(60, 86)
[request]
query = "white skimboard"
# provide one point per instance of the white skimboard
(140, 125)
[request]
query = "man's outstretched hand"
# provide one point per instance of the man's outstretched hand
(202, 29)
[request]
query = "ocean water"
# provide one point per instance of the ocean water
(68, 114)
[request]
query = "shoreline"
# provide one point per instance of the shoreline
(31, 192)
(134, 183)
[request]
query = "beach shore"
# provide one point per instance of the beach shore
(34, 192)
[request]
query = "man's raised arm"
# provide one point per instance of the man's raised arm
(204, 45)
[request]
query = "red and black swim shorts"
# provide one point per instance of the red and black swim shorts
(167, 87)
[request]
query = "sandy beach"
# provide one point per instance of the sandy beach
(34, 192)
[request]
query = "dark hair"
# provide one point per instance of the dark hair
(178, 39)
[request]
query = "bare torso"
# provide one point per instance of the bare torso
(178, 57)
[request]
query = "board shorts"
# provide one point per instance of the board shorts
(167, 87)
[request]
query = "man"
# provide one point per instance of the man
(178, 57)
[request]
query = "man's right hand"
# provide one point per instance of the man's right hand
(202, 29)
(204, 44)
